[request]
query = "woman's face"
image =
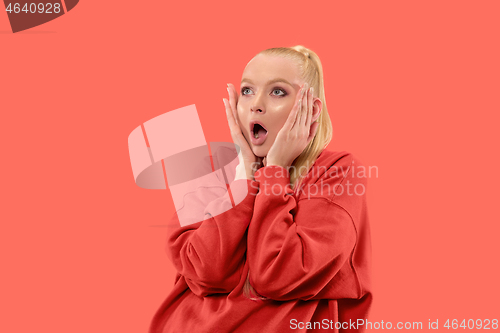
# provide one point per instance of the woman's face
(268, 90)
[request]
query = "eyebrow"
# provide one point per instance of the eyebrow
(269, 82)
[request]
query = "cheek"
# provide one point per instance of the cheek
(239, 108)
(282, 104)
(241, 118)
(282, 112)
(284, 107)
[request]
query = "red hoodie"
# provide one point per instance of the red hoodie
(308, 252)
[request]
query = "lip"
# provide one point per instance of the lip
(261, 139)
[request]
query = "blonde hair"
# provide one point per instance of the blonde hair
(311, 71)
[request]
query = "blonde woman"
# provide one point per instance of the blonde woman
(294, 253)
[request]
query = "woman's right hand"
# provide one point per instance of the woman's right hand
(249, 163)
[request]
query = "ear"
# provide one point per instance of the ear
(317, 107)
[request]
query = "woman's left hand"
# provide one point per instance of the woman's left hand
(297, 132)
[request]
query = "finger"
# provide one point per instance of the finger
(229, 114)
(299, 110)
(235, 129)
(312, 132)
(303, 107)
(295, 111)
(234, 94)
(300, 105)
(236, 133)
(232, 102)
(303, 114)
(310, 107)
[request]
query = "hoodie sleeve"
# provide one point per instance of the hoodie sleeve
(209, 253)
(303, 249)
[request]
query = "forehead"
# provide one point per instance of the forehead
(263, 68)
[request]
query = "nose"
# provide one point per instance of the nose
(258, 105)
(257, 109)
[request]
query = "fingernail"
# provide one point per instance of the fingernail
(312, 90)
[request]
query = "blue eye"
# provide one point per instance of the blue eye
(275, 92)
(283, 93)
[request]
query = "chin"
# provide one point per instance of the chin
(260, 151)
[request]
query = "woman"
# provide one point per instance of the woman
(293, 253)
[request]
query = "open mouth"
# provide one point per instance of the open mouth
(258, 132)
